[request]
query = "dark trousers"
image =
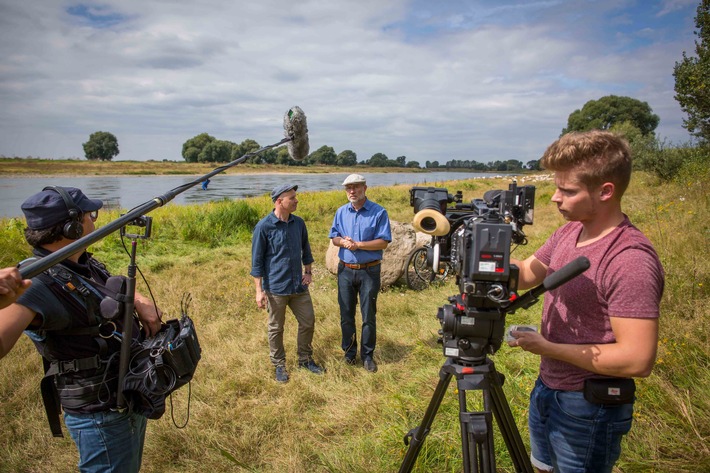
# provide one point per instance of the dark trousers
(365, 284)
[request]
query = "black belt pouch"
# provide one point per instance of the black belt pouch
(611, 391)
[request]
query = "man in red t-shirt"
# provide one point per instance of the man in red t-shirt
(600, 329)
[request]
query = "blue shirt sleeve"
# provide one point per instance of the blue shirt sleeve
(258, 250)
(306, 255)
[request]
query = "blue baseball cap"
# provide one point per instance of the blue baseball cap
(47, 208)
(280, 190)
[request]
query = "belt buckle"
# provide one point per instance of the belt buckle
(68, 366)
(358, 266)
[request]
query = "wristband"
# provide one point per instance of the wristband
(307, 272)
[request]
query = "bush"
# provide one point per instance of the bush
(13, 246)
(667, 163)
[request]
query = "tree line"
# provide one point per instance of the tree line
(205, 148)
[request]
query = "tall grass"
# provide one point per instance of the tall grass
(349, 420)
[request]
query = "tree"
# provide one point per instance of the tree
(643, 148)
(378, 160)
(102, 145)
(413, 164)
(217, 151)
(346, 158)
(692, 78)
(245, 147)
(323, 155)
(533, 165)
(192, 148)
(282, 156)
(602, 114)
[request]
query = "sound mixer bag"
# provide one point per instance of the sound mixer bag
(160, 365)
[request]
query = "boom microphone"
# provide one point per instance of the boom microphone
(296, 129)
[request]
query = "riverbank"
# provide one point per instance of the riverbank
(78, 167)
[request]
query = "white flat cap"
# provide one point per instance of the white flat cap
(354, 179)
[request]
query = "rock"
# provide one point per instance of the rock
(404, 241)
(422, 239)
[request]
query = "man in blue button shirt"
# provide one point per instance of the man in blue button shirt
(361, 228)
(279, 249)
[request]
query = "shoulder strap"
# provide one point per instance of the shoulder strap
(50, 399)
(81, 293)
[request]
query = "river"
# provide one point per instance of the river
(129, 191)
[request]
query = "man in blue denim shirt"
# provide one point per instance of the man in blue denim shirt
(361, 228)
(279, 248)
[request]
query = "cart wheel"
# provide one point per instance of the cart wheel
(419, 274)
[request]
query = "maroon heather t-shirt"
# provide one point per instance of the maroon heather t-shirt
(625, 279)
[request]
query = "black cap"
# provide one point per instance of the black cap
(47, 208)
(281, 189)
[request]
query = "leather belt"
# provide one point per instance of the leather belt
(361, 265)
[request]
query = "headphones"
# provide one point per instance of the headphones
(74, 228)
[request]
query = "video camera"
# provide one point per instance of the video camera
(475, 239)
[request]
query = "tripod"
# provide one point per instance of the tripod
(468, 330)
(476, 427)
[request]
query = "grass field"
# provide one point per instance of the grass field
(349, 420)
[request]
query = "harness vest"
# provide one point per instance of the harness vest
(73, 381)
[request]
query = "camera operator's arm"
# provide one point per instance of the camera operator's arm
(532, 272)
(632, 355)
(149, 314)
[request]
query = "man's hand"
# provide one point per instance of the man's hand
(349, 244)
(261, 299)
(528, 340)
(149, 314)
(11, 286)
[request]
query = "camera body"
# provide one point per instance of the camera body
(475, 239)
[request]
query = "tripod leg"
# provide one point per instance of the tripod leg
(415, 437)
(477, 436)
(506, 423)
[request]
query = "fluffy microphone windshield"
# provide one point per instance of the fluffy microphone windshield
(295, 128)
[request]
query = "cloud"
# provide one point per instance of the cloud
(428, 80)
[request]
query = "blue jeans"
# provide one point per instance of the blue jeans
(571, 435)
(108, 441)
(364, 283)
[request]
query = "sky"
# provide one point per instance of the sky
(431, 80)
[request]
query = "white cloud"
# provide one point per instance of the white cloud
(371, 76)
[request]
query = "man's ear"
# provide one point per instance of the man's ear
(606, 190)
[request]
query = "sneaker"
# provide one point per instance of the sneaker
(311, 366)
(281, 374)
(370, 365)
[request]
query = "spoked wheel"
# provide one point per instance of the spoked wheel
(419, 274)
